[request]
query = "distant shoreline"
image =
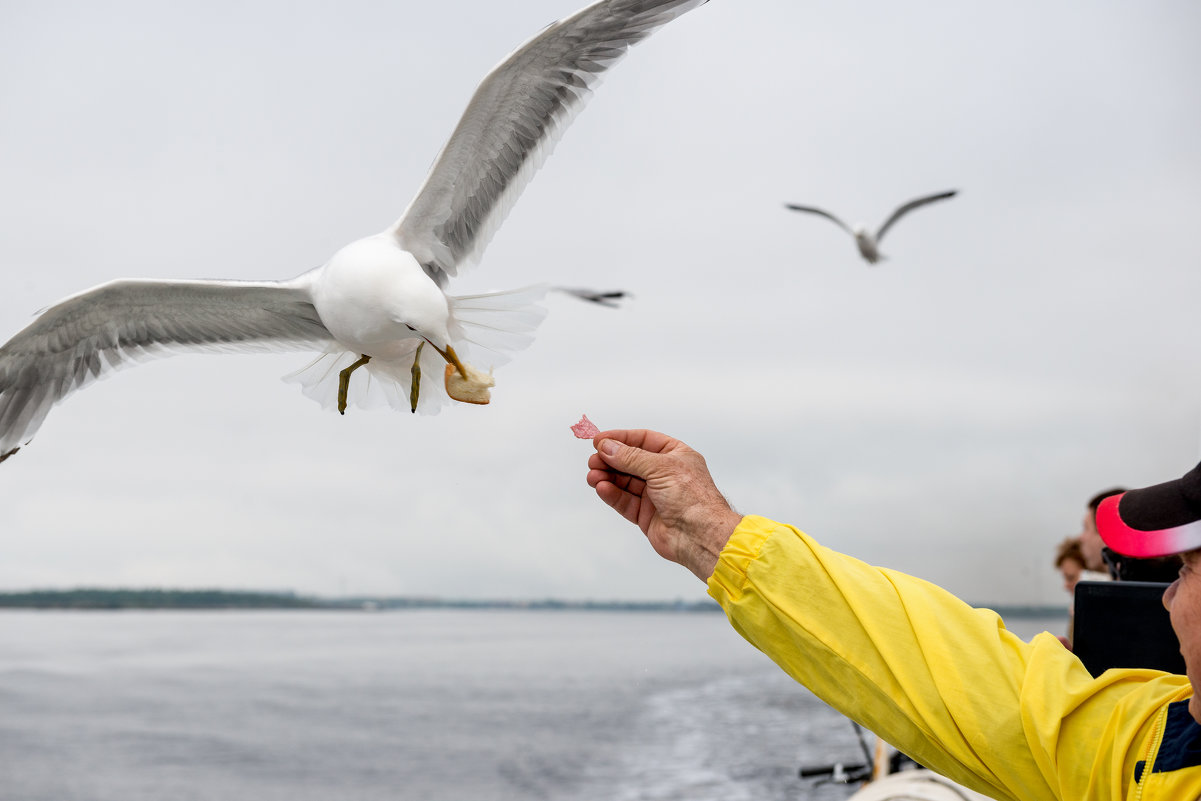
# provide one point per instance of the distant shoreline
(175, 599)
(100, 599)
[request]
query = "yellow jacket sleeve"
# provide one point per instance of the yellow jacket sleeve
(945, 683)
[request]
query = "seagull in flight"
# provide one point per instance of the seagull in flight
(377, 310)
(869, 244)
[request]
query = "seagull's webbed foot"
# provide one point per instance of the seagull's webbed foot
(344, 381)
(415, 391)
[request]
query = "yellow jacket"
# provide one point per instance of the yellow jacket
(949, 685)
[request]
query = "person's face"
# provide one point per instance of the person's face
(1071, 570)
(1091, 544)
(1183, 600)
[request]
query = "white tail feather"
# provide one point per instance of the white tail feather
(485, 330)
(491, 327)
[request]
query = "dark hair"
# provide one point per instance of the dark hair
(1100, 496)
(1161, 569)
(1069, 549)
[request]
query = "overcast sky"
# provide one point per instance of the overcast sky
(947, 412)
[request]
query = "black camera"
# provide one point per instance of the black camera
(1124, 624)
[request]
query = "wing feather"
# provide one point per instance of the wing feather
(88, 335)
(510, 125)
(910, 206)
(821, 212)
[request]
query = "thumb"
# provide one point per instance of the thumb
(626, 458)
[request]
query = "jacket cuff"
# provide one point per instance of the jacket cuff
(729, 576)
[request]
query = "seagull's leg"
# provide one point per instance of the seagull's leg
(344, 381)
(451, 358)
(415, 391)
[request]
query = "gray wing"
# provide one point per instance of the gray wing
(910, 206)
(513, 120)
(610, 298)
(87, 335)
(823, 213)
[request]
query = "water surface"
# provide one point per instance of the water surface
(426, 704)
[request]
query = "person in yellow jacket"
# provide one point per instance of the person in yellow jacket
(945, 683)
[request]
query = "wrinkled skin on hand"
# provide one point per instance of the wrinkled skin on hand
(664, 487)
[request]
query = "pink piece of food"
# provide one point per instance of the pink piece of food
(585, 429)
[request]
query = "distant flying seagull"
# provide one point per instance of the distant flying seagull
(869, 244)
(379, 301)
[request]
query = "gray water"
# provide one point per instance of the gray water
(432, 704)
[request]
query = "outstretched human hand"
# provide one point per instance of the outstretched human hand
(664, 487)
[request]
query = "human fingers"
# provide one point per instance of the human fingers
(631, 484)
(641, 438)
(595, 462)
(599, 471)
(625, 503)
(637, 453)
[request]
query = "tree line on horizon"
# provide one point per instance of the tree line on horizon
(126, 598)
(98, 598)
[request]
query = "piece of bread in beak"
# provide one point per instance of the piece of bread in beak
(472, 389)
